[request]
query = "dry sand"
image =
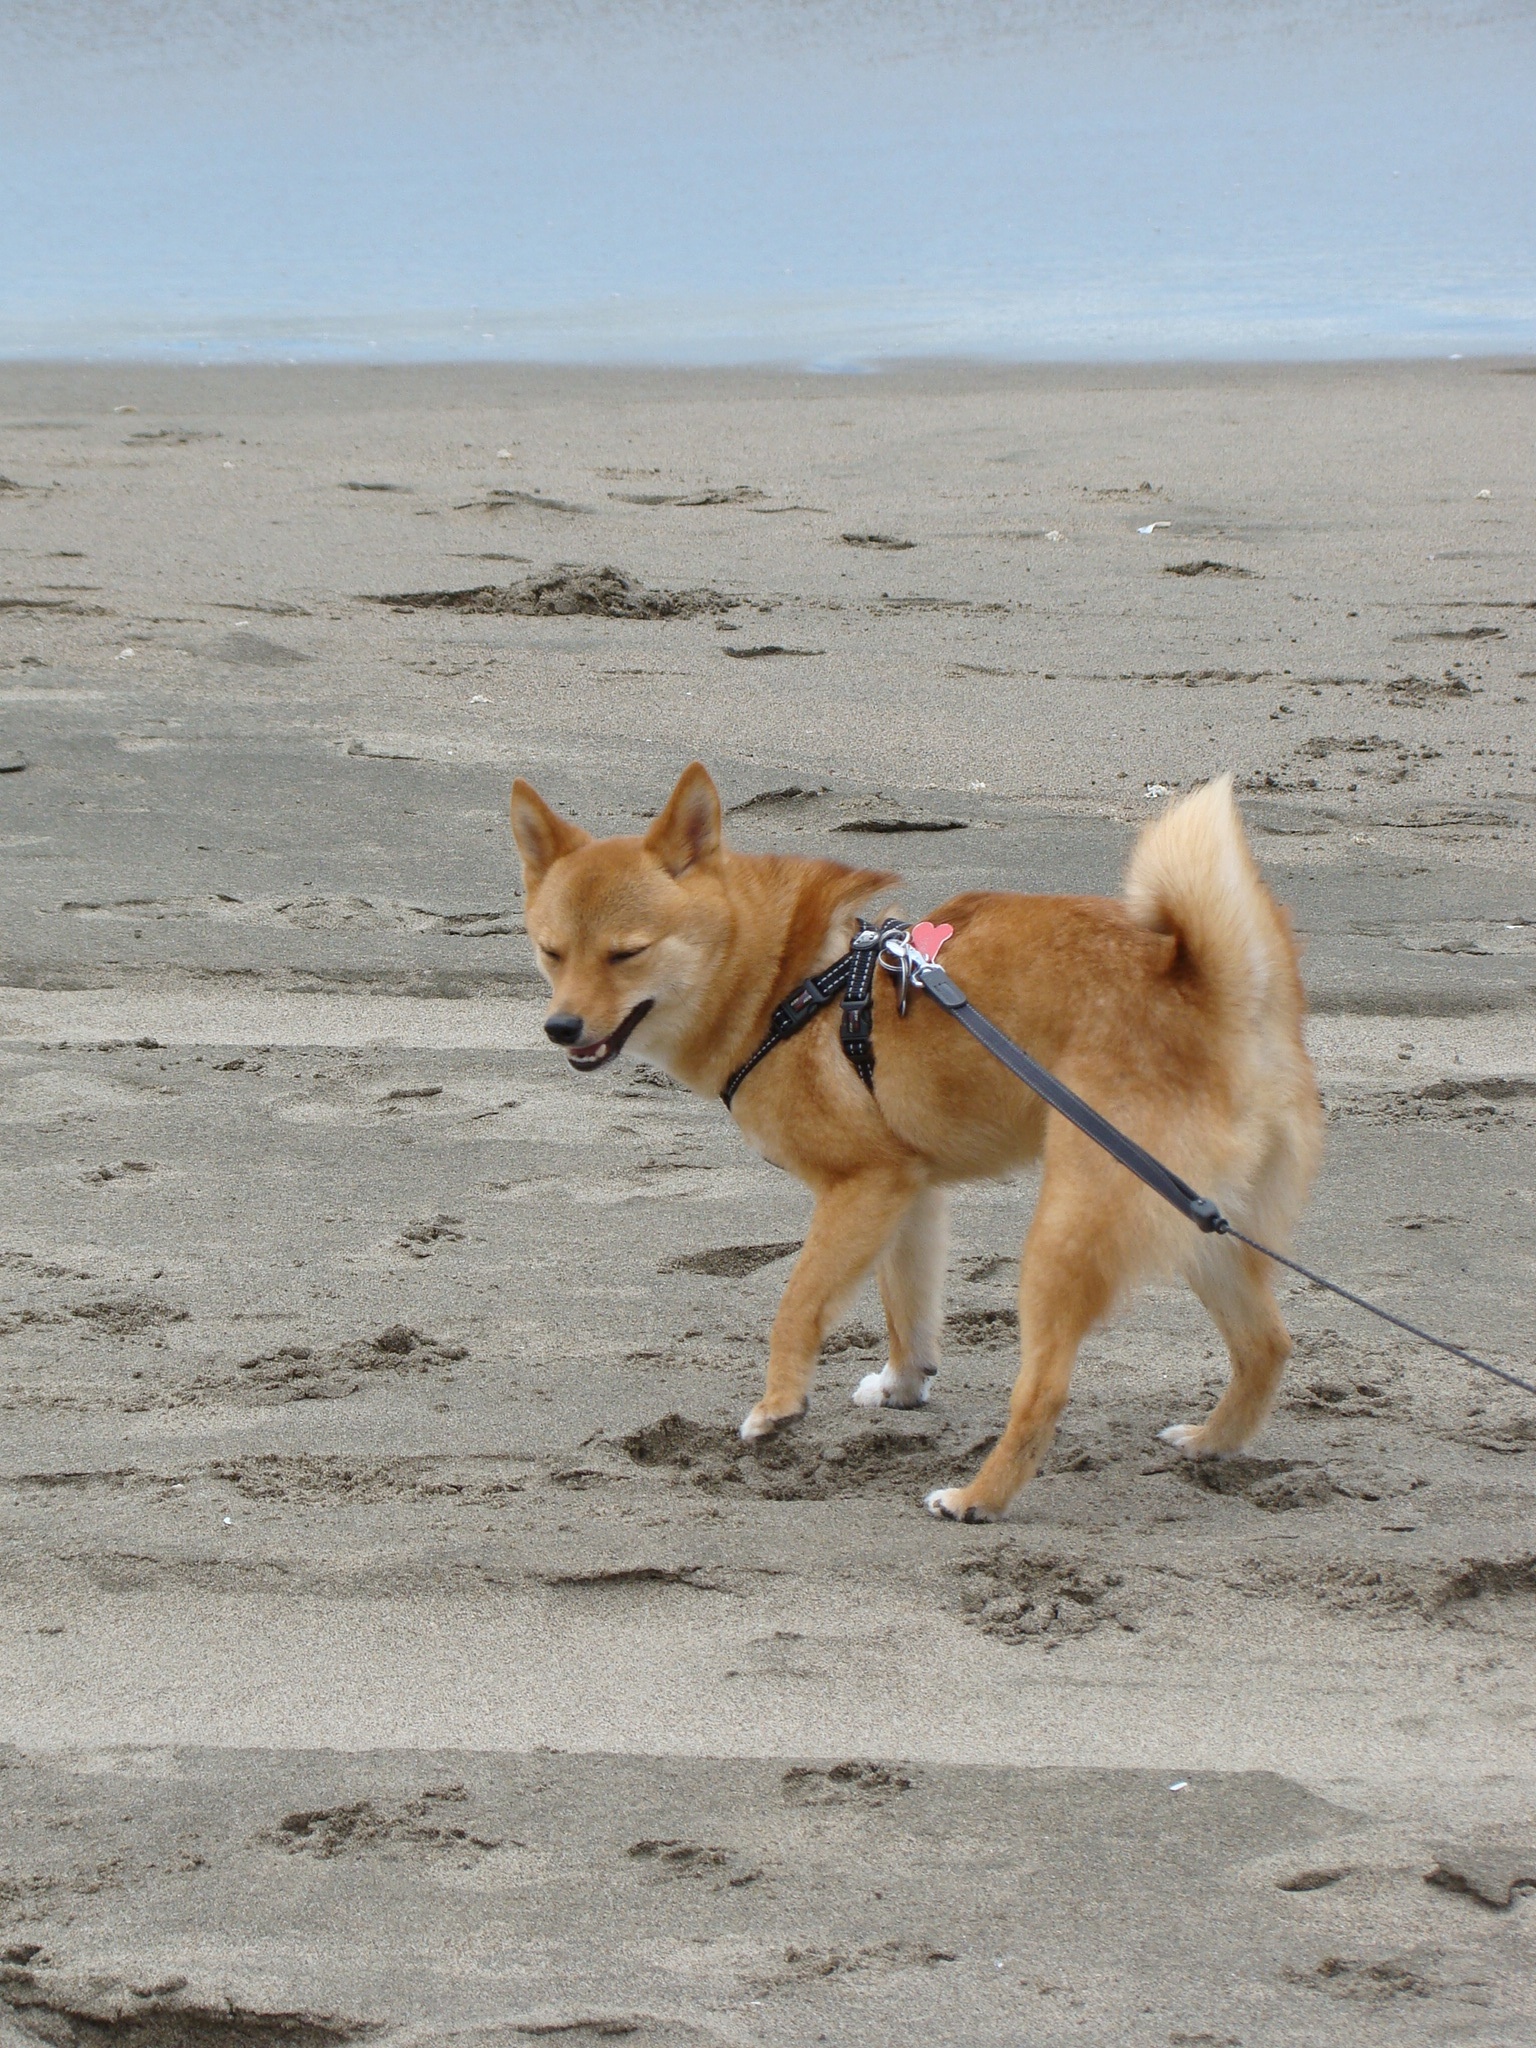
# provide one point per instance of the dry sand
(395, 1637)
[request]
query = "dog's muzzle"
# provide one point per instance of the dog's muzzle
(586, 1059)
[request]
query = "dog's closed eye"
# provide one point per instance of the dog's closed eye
(626, 953)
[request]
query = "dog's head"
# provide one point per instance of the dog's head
(625, 929)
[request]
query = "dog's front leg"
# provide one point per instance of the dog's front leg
(850, 1227)
(912, 1288)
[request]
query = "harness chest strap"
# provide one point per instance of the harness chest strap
(853, 978)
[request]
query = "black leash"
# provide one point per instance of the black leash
(852, 977)
(1161, 1179)
(1470, 1357)
(1200, 1209)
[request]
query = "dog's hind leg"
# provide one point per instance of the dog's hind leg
(912, 1289)
(850, 1226)
(1234, 1284)
(1078, 1255)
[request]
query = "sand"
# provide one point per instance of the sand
(396, 1641)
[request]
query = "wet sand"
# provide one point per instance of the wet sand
(396, 1636)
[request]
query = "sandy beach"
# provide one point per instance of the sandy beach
(397, 1642)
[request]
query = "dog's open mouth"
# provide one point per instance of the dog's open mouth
(586, 1059)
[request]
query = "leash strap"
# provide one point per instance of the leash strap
(1201, 1211)
(1468, 1357)
(852, 978)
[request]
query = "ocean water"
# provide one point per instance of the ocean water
(827, 184)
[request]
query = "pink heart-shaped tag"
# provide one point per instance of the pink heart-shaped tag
(928, 938)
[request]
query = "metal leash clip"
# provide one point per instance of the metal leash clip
(899, 956)
(911, 952)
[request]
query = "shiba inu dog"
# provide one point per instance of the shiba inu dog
(1176, 1010)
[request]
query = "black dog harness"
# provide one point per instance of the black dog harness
(853, 978)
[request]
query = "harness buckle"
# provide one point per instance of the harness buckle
(801, 1003)
(858, 1022)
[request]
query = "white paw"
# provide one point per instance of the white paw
(1185, 1437)
(763, 1422)
(892, 1389)
(947, 1502)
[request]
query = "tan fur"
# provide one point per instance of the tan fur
(1176, 1012)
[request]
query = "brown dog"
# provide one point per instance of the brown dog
(1175, 1011)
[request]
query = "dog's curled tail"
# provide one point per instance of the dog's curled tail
(1191, 875)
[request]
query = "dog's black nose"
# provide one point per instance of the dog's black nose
(563, 1028)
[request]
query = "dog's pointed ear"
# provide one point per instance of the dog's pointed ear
(542, 835)
(688, 830)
